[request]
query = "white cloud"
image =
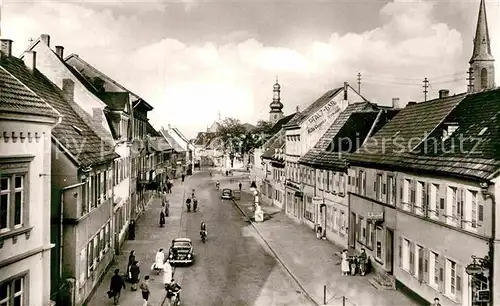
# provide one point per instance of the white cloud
(189, 84)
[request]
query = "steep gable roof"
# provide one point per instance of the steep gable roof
(316, 105)
(414, 138)
(318, 154)
(280, 123)
(171, 141)
(83, 144)
(15, 97)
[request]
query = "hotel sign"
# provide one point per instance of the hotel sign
(321, 116)
(375, 215)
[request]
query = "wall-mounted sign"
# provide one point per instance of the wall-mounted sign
(322, 115)
(475, 269)
(375, 216)
(483, 296)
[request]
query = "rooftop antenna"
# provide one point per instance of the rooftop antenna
(359, 82)
(425, 86)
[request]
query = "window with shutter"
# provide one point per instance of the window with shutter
(412, 258)
(400, 251)
(441, 274)
(426, 266)
(401, 185)
(420, 272)
(460, 273)
(480, 214)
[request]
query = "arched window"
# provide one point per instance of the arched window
(484, 78)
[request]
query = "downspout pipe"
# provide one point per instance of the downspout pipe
(493, 240)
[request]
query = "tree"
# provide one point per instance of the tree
(237, 139)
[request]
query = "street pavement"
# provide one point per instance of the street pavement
(234, 267)
(313, 262)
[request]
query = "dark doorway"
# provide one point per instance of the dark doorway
(389, 250)
(352, 231)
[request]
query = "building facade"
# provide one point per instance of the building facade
(26, 122)
(302, 133)
(423, 212)
(324, 168)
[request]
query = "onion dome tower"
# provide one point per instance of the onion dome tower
(276, 106)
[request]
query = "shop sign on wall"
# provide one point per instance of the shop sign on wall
(321, 116)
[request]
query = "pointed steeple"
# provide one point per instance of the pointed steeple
(482, 63)
(482, 46)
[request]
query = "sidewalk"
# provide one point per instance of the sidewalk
(312, 262)
(150, 237)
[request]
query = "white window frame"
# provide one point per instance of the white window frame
(9, 195)
(406, 255)
(11, 294)
(433, 202)
(451, 278)
(381, 239)
(418, 206)
(390, 190)
(433, 265)
(406, 194)
(417, 258)
(451, 213)
(471, 210)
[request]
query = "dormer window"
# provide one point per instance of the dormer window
(449, 129)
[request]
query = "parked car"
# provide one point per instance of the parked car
(181, 251)
(227, 194)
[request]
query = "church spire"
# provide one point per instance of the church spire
(276, 106)
(482, 60)
(482, 46)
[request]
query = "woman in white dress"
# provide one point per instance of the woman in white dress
(167, 273)
(345, 263)
(159, 260)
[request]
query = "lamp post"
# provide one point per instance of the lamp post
(487, 194)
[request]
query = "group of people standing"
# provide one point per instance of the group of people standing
(133, 275)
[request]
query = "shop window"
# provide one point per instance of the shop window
(378, 237)
(370, 235)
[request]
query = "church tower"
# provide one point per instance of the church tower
(482, 61)
(276, 106)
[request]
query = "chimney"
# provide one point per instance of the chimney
(297, 109)
(443, 93)
(6, 47)
(345, 91)
(45, 38)
(60, 51)
(168, 126)
(30, 60)
(68, 88)
(395, 103)
(411, 103)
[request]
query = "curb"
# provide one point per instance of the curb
(277, 257)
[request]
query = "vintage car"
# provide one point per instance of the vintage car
(227, 194)
(181, 251)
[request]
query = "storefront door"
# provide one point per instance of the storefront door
(389, 250)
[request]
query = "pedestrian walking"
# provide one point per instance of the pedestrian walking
(436, 302)
(344, 266)
(131, 260)
(116, 286)
(134, 275)
(162, 218)
(167, 208)
(182, 177)
(159, 259)
(240, 185)
(145, 290)
(167, 273)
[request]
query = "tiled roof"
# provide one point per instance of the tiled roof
(278, 144)
(318, 155)
(424, 124)
(316, 105)
(151, 130)
(204, 138)
(171, 141)
(15, 97)
(278, 125)
(73, 133)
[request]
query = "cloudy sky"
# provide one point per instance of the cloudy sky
(191, 59)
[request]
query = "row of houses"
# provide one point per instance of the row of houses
(414, 185)
(78, 162)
